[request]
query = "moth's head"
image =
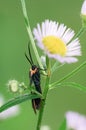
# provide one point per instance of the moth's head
(34, 67)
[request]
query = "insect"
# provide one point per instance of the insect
(34, 76)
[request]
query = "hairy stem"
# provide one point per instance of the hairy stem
(45, 92)
(43, 105)
(30, 33)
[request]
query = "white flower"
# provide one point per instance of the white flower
(11, 112)
(75, 121)
(13, 85)
(56, 40)
(45, 127)
(83, 9)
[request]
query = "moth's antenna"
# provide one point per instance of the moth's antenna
(30, 53)
(28, 59)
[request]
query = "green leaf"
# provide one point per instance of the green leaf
(56, 66)
(70, 84)
(74, 85)
(54, 87)
(63, 125)
(69, 75)
(17, 100)
(32, 89)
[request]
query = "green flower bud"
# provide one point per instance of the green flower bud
(83, 13)
(13, 86)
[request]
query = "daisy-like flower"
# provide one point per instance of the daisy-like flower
(56, 41)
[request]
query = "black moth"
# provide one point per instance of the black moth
(34, 76)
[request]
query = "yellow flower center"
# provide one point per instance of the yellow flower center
(54, 45)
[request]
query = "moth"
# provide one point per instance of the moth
(34, 77)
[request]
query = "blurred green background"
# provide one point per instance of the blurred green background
(13, 65)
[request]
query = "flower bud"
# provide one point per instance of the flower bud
(83, 13)
(13, 86)
(22, 87)
(43, 60)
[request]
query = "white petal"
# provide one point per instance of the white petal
(83, 9)
(43, 29)
(70, 59)
(61, 59)
(67, 59)
(74, 43)
(73, 48)
(61, 30)
(40, 45)
(68, 35)
(36, 34)
(39, 30)
(52, 28)
(46, 26)
(73, 53)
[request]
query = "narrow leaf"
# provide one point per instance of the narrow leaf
(63, 125)
(70, 84)
(17, 100)
(56, 66)
(70, 74)
(74, 85)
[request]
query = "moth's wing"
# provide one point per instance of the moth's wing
(34, 105)
(30, 78)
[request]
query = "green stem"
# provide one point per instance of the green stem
(46, 88)
(43, 104)
(81, 31)
(40, 115)
(30, 33)
(69, 75)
